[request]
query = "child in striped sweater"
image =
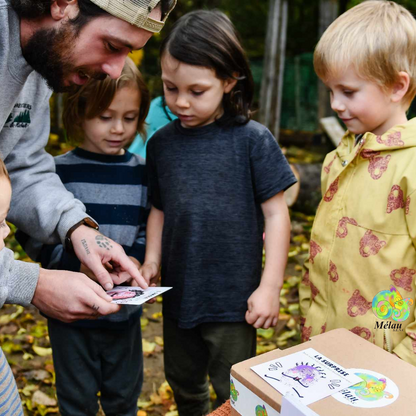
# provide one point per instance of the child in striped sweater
(103, 355)
(10, 403)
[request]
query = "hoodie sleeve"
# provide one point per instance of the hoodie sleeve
(41, 206)
(18, 279)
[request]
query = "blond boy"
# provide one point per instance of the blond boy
(362, 259)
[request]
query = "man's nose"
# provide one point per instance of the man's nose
(114, 66)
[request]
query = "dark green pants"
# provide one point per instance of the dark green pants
(207, 350)
(88, 360)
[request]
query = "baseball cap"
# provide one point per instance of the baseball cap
(136, 12)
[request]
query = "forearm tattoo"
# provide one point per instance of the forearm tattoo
(85, 245)
(103, 241)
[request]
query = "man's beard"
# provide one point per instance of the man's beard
(50, 52)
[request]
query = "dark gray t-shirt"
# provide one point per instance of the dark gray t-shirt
(210, 183)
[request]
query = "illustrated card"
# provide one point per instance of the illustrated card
(132, 295)
(307, 374)
(374, 390)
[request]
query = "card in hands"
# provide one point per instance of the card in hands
(133, 295)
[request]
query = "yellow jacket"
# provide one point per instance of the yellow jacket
(363, 242)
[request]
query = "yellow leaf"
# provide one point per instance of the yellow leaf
(144, 322)
(5, 319)
(10, 347)
(292, 323)
(294, 307)
(165, 391)
(159, 299)
(148, 347)
(281, 344)
(141, 413)
(174, 413)
(157, 315)
(159, 341)
(43, 352)
(286, 335)
(28, 389)
(265, 333)
(265, 347)
(155, 398)
(27, 356)
(144, 405)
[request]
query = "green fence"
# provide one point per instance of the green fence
(300, 93)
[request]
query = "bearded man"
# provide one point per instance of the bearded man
(50, 45)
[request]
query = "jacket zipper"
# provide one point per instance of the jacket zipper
(387, 341)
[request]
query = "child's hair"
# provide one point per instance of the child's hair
(95, 97)
(3, 169)
(209, 39)
(377, 38)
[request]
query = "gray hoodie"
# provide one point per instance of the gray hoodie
(41, 206)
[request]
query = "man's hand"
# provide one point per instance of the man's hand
(70, 296)
(263, 306)
(95, 250)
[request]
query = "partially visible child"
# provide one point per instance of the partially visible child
(364, 235)
(103, 355)
(215, 179)
(10, 403)
(159, 115)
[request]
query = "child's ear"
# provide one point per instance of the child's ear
(229, 84)
(400, 87)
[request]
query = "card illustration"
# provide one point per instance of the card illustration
(308, 375)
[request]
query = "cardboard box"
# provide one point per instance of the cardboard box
(344, 348)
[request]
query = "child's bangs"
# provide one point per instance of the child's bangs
(333, 63)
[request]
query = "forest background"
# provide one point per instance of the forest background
(23, 331)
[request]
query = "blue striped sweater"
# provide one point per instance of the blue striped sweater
(114, 192)
(10, 404)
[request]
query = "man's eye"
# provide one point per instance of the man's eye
(105, 118)
(197, 92)
(112, 48)
(348, 92)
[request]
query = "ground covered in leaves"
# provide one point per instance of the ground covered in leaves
(24, 339)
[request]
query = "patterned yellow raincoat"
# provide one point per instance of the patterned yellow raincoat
(363, 242)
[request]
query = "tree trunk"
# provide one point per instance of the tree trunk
(274, 61)
(328, 12)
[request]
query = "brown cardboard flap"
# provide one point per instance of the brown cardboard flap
(350, 351)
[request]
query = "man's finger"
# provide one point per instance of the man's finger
(101, 304)
(128, 266)
(102, 275)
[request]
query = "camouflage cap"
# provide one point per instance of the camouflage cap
(136, 12)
